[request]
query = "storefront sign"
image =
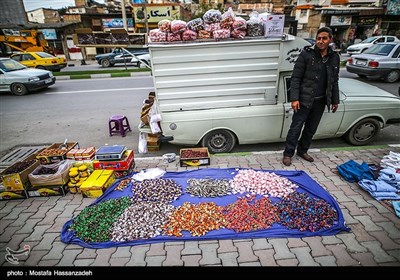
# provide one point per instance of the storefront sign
(367, 21)
(340, 20)
(156, 13)
(116, 22)
(49, 34)
(314, 2)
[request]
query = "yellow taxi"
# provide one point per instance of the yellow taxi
(40, 60)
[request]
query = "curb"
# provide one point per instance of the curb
(99, 76)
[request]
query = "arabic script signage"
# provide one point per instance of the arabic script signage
(156, 13)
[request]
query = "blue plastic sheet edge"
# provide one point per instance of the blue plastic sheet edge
(301, 178)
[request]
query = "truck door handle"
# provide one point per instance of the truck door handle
(287, 111)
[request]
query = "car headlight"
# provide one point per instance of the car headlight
(51, 75)
(33, 79)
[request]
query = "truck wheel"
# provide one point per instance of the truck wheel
(219, 141)
(18, 89)
(363, 132)
(105, 63)
(392, 76)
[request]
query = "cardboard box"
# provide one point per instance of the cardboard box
(194, 161)
(97, 183)
(61, 177)
(47, 191)
(123, 164)
(18, 181)
(122, 173)
(9, 195)
(53, 154)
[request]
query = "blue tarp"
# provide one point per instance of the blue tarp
(302, 179)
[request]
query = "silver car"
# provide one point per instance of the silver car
(381, 60)
(369, 42)
(20, 79)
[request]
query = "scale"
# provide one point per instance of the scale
(110, 152)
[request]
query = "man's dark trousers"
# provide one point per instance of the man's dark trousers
(310, 118)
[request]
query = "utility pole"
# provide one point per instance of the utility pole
(124, 15)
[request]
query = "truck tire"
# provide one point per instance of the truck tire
(219, 141)
(363, 132)
(18, 89)
(392, 77)
(105, 63)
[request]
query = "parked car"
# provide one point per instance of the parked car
(142, 60)
(310, 40)
(364, 45)
(119, 55)
(40, 60)
(381, 60)
(20, 79)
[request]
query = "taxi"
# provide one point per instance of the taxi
(40, 60)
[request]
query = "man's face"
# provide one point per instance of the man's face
(323, 40)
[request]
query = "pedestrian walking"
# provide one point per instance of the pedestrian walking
(314, 86)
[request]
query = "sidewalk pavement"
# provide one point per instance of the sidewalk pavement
(374, 239)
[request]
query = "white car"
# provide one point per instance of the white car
(20, 79)
(361, 47)
(142, 60)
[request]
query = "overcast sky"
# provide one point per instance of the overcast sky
(54, 4)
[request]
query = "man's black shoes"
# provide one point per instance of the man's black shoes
(306, 157)
(287, 160)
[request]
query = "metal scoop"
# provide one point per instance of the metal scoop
(63, 146)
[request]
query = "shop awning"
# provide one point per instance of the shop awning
(362, 11)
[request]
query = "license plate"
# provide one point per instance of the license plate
(49, 80)
(361, 62)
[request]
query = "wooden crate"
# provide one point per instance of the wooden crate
(194, 161)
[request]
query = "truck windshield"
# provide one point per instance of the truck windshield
(10, 65)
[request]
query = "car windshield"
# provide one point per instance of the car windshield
(10, 65)
(44, 55)
(368, 40)
(380, 49)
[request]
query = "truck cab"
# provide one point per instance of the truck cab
(119, 55)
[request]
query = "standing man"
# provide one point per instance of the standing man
(313, 86)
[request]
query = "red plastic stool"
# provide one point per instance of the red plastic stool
(118, 124)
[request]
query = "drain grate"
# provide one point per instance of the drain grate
(18, 154)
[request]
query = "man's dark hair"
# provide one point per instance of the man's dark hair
(325, 29)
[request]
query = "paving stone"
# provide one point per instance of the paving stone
(360, 201)
(349, 220)
(69, 257)
(191, 248)
(340, 196)
(261, 244)
(288, 262)
(83, 262)
(326, 260)
(229, 259)
(38, 232)
(375, 215)
(119, 261)
(317, 248)
(138, 255)
(34, 205)
(395, 254)
(87, 253)
(9, 206)
(353, 246)
(48, 263)
(364, 259)
(122, 252)
(41, 212)
(34, 258)
(8, 234)
(15, 213)
(250, 264)
(155, 260)
(156, 249)
(391, 229)
(331, 240)
(381, 209)
(360, 233)
(304, 257)
(246, 253)
(353, 208)
(57, 225)
(209, 254)
(4, 224)
(16, 242)
(380, 255)
(103, 256)
(266, 257)
(191, 260)
(368, 224)
(47, 241)
(173, 255)
(281, 249)
(55, 253)
(386, 242)
(343, 258)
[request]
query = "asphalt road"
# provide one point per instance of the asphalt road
(79, 110)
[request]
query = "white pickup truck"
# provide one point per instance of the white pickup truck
(221, 93)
